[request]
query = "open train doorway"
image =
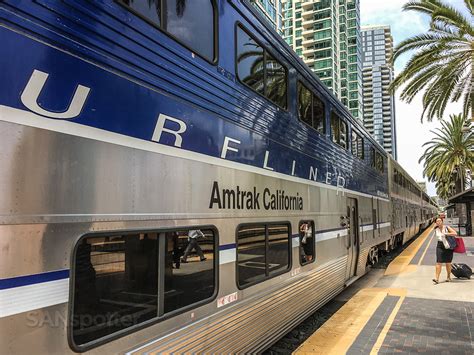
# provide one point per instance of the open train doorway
(352, 238)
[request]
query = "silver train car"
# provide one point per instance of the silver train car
(160, 194)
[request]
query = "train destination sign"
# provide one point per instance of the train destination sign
(254, 199)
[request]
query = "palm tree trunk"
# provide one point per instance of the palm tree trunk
(472, 85)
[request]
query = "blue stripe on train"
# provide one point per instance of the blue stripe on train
(120, 106)
(33, 279)
(227, 246)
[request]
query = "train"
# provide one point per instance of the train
(175, 179)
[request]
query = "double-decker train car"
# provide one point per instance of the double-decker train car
(412, 208)
(175, 179)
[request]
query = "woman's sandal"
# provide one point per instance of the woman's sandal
(448, 280)
(435, 281)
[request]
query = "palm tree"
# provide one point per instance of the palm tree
(446, 188)
(443, 61)
(449, 155)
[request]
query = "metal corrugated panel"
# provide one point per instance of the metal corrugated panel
(362, 262)
(259, 321)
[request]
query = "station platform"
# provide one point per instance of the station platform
(404, 312)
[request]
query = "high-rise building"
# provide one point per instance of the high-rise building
(271, 10)
(326, 35)
(377, 74)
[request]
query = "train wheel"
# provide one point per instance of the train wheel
(373, 256)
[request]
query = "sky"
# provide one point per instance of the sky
(411, 133)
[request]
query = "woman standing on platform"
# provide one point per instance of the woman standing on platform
(443, 255)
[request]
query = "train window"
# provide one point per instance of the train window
(357, 144)
(263, 251)
(311, 109)
(372, 157)
(122, 280)
(339, 130)
(343, 134)
(278, 249)
(178, 18)
(189, 275)
(275, 82)
(334, 128)
(259, 70)
(250, 67)
(379, 164)
(197, 32)
(307, 242)
(305, 104)
(151, 9)
(319, 121)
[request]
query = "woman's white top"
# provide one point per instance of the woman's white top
(308, 233)
(440, 234)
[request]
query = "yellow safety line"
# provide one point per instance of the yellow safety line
(401, 264)
(338, 333)
(386, 328)
(426, 249)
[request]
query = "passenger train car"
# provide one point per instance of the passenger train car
(175, 179)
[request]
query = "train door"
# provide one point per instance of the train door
(352, 237)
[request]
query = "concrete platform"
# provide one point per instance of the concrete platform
(404, 312)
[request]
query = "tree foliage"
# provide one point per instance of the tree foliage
(442, 62)
(449, 155)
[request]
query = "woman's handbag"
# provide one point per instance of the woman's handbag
(460, 247)
(451, 242)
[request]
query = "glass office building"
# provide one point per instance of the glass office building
(271, 10)
(377, 75)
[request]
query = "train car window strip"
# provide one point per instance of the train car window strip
(259, 70)
(263, 251)
(178, 20)
(122, 281)
(307, 239)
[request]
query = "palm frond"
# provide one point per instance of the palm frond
(443, 60)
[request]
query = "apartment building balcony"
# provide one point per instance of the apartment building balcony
(307, 32)
(309, 23)
(308, 41)
(307, 6)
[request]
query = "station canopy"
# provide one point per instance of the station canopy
(463, 197)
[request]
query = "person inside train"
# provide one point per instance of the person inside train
(444, 255)
(306, 233)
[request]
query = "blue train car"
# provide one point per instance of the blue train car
(175, 179)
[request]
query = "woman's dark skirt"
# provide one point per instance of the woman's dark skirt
(443, 255)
